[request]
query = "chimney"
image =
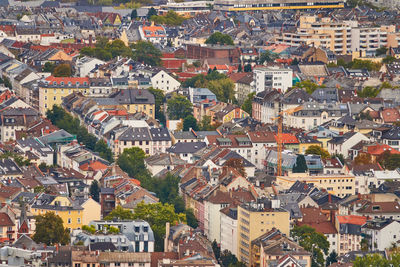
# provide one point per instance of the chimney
(330, 198)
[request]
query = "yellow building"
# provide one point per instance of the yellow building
(336, 184)
(342, 37)
(72, 215)
(256, 219)
(54, 89)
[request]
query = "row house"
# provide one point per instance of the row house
(265, 106)
(14, 120)
(150, 140)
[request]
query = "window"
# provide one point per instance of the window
(137, 229)
(69, 220)
(137, 244)
(79, 220)
(146, 246)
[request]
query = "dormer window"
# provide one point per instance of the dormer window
(69, 84)
(62, 83)
(54, 83)
(77, 83)
(85, 83)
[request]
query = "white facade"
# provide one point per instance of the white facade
(228, 233)
(343, 148)
(381, 239)
(214, 220)
(165, 82)
(86, 64)
(273, 78)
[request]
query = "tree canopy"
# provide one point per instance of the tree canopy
(300, 166)
(267, 57)
(312, 241)
(147, 53)
(95, 190)
(368, 91)
(219, 38)
(132, 161)
(308, 86)
(179, 107)
(248, 103)
(62, 70)
(171, 19)
(159, 98)
(157, 215)
(190, 122)
(50, 230)
(377, 260)
(63, 120)
(106, 50)
(119, 213)
(224, 89)
(317, 150)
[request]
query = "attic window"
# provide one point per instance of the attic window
(376, 208)
(69, 84)
(62, 83)
(54, 83)
(77, 83)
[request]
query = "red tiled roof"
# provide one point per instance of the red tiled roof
(151, 31)
(351, 219)
(378, 149)
(288, 138)
(237, 76)
(261, 137)
(93, 166)
(390, 115)
(380, 207)
(66, 80)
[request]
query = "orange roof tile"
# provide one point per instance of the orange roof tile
(352, 219)
(288, 138)
(378, 149)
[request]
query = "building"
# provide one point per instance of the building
(337, 184)
(52, 90)
(163, 81)
(343, 143)
(107, 201)
(13, 120)
(381, 233)
(276, 249)
(349, 237)
(154, 34)
(70, 213)
(229, 216)
(272, 78)
(254, 5)
(255, 219)
(341, 37)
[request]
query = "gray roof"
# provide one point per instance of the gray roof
(135, 134)
(190, 147)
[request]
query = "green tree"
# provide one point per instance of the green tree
(312, 241)
(171, 19)
(248, 103)
(375, 260)
(104, 151)
(48, 67)
(152, 12)
(90, 229)
(247, 68)
(132, 162)
(368, 91)
(50, 230)
(94, 190)
(147, 53)
(159, 98)
(134, 14)
(295, 62)
(219, 38)
(240, 68)
(381, 51)
(364, 64)
(205, 124)
(223, 89)
(62, 70)
(216, 249)
(308, 86)
(388, 59)
(119, 213)
(7, 82)
(229, 260)
(39, 189)
(332, 258)
(300, 166)
(317, 150)
(179, 107)
(157, 215)
(191, 219)
(190, 122)
(268, 56)
(339, 157)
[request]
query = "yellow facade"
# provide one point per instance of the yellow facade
(339, 185)
(304, 146)
(49, 96)
(62, 206)
(148, 109)
(252, 223)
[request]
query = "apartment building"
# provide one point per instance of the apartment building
(53, 90)
(255, 219)
(273, 78)
(341, 37)
(337, 184)
(253, 5)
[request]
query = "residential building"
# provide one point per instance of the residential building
(381, 233)
(16, 119)
(224, 5)
(337, 184)
(343, 143)
(154, 34)
(197, 95)
(52, 90)
(164, 81)
(255, 219)
(229, 229)
(349, 228)
(272, 78)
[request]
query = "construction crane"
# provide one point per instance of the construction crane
(280, 142)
